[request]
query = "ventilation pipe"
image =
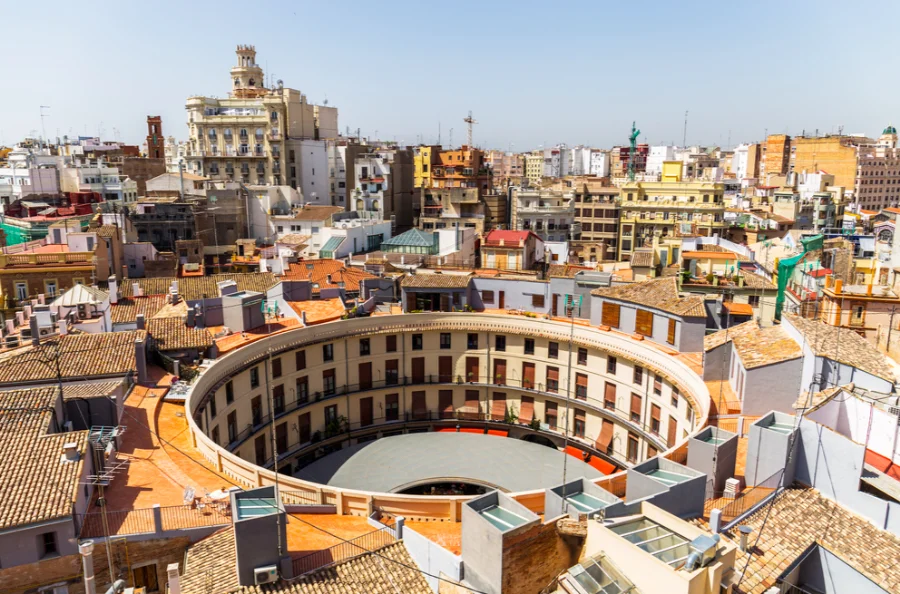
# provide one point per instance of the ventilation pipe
(745, 537)
(86, 549)
(174, 578)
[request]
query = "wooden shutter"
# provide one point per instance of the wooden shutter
(445, 403)
(365, 376)
(419, 408)
(610, 314)
(550, 410)
(635, 404)
(526, 410)
(300, 359)
(654, 412)
(500, 371)
(304, 423)
(473, 406)
(673, 428)
(579, 419)
(527, 375)
(606, 436)
(609, 395)
(498, 406)
(445, 369)
(581, 383)
(471, 369)
(418, 370)
(670, 338)
(391, 407)
(365, 411)
(390, 343)
(553, 373)
(644, 322)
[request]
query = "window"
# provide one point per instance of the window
(579, 422)
(753, 300)
(215, 435)
(487, 297)
(21, 291)
(537, 301)
(651, 451)
(50, 285)
(670, 335)
(610, 314)
(331, 414)
(276, 367)
(417, 342)
(302, 390)
(553, 379)
(278, 399)
(328, 384)
(582, 356)
(256, 410)
(638, 376)
(657, 385)
(254, 378)
(47, 544)
(472, 341)
(232, 426)
(632, 448)
(611, 365)
(212, 406)
(391, 407)
(654, 418)
(500, 343)
(445, 340)
(553, 350)
(636, 402)
(529, 346)
(609, 396)
(581, 386)
(300, 360)
(390, 343)
(675, 394)
(550, 410)
(391, 372)
(364, 348)
(328, 352)
(229, 393)
(644, 322)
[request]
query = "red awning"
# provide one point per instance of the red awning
(883, 464)
(595, 461)
(498, 432)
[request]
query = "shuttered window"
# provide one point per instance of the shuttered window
(390, 343)
(419, 408)
(553, 379)
(609, 396)
(550, 414)
(578, 428)
(472, 408)
(498, 406)
(300, 360)
(528, 375)
(610, 314)
(673, 429)
(635, 407)
(606, 436)
(581, 385)
(526, 410)
(643, 324)
(670, 337)
(654, 418)
(445, 404)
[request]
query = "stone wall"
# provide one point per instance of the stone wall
(532, 559)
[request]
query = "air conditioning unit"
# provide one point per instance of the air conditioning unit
(265, 575)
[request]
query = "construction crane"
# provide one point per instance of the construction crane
(469, 120)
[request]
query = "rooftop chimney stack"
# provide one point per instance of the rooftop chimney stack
(174, 578)
(139, 321)
(113, 285)
(35, 330)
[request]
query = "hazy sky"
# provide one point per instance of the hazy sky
(532, 72)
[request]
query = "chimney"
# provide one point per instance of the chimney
(139, 322)
(20, 318)
(10, 326)
(140, 359)
(26, 311)
(745, 536)
(86, 548)
(198, 316)
(63, 326)
(174, 578)
(70, 451)
(41, 299)
(35, 330)
(135, 290)
(869, 289)
(113, 285)
(303, 318)
(838, 286)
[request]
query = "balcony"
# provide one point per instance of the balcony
(274, 136)
(24, 260)
(546, 209)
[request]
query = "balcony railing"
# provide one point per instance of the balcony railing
(42, 259)
(361, 545)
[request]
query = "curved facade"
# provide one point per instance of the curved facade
(361, 379)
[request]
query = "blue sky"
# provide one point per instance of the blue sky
(532, 72)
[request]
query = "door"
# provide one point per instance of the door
(445, 404)
(281, 438)
(146, 577)
(473, 406)
(365, 411)
(500, 372)
(256, 410)
(419, 408)
(502, 303)
(365, 376)
(260, 445)
(304, 424)
(445, 369)
(498, 407)
(672, 432)
(418, 370)
(555, 305)
(472, 369)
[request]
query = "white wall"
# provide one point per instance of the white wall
(863, 423)
(312, 171)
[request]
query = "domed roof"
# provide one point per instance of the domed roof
(890, 130)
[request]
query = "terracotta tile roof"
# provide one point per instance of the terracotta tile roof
(194, 288)
(90, 389)
(642, 258)
(36, 485)
(711, 247)
(108, 231)
(210, 567)
(738, 309)
(319, 311)
(509, 238)
(294, 239)
(661, 293)
(566, 270)
(311, 212)
(171, 334)
(127, 310)
(436, 281)
(317, 271)
(842, 345)
(719, 338)
(766, 347)
(82, 356)
(755, 281)
(802, 517)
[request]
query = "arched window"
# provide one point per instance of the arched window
(251, 82)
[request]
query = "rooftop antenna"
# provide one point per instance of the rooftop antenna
(684, 137)
(43, 129)
(470, 121)
(439, 134)
(451, 138)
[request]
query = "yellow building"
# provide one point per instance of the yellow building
(534, 167)
(426, 157)
(669, 208)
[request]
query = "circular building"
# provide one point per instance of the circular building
(478, 400)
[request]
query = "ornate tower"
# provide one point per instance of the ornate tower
(247, 76)
(156, 142)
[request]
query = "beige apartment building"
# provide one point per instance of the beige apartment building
(534, 167)
(250, 135)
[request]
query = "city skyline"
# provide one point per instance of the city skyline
(394, 79)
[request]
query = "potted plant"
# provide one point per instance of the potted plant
(316, 436)
(512, 415)
(470, 375)
(710, 278)
(498, 378)
(535, 424)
